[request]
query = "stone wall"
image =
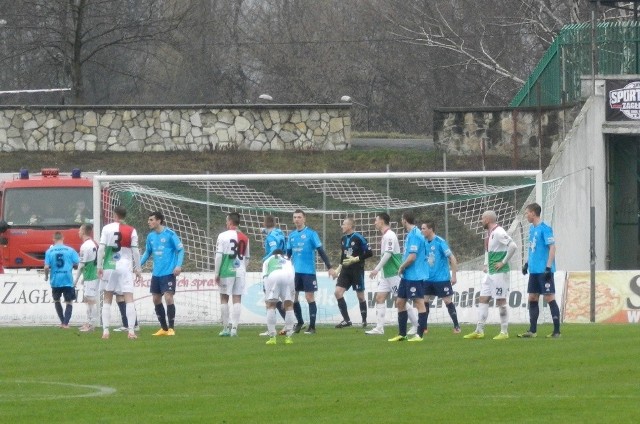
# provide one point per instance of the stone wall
(503, 131)
(170, 128)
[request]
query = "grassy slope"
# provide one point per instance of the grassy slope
(250, 162)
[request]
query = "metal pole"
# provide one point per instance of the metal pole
(446, 198)
(593, 47)
(324, 209)
(209, 250)
(388, 191)
(592, 246)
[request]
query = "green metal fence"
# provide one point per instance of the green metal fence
(556, 78)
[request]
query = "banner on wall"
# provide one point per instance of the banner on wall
(25, 299)
(623, 100)
(617, 297)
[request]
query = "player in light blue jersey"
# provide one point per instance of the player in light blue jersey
(302, 245)
(540, 266)
(442, 272)
(414, 273)
(58, 262)
(168, 253)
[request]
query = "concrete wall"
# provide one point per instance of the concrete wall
(169, 128)
(583, 148)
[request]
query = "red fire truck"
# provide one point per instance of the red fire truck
(34, 207)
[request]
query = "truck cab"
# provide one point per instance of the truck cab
(34, 207)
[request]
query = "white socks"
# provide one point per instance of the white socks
(131, 316)
(504, 319)
(224, 312)
(235, 315)
(106, 316)
(271, 322)
(289, 320)
(381, 311)
(483, 313)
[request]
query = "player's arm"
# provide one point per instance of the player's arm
(552, 255)
(453, 265)
(147, 252)
(407, 263)
(511, 250)
(100, 259)
(366, 251)
(46, 266)
(180, 252)
(324, 257)
(383, 260)
(218, 259)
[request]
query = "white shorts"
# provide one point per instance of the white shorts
(233, 285)
(91, 288)
(279, 286)
(118, 281)
(388, 285)
(495, 285)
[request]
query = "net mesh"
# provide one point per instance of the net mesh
(196, 210)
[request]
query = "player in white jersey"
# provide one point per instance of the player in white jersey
(88, 270)
(232, 254)
(499, 248)
(390, 260)
(118, 258)
(278, 276)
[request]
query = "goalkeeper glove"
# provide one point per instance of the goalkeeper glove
(525, 268)
(547, 274)
(350, 260)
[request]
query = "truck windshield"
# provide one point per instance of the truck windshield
(48, 207)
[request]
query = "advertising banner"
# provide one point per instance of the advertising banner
(25, 299)
(617, 297)
(623, 100)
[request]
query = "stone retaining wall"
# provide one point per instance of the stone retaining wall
(503, 131)
(170, 128)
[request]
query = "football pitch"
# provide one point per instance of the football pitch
(591, 374)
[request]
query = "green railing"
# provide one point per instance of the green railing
(556, 78)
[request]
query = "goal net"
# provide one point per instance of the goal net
(195, 206)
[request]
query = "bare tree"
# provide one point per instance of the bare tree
(69, 36)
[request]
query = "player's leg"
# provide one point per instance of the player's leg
(501, 294)
(156, 296)
(122, 307)
(131, 309)
(486, 291)
(225, 293)
(362, 301)
(168, 293)
(90, 299)
(555, 313)
(310, 288)
(342, 304)
(401, 306)
(271, 320)
(56, 293)
(69, 294)
(238, 289)
(384, 290)
(107, 298)
(297, 310)
(453, 313)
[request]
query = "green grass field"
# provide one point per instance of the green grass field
(336, 376)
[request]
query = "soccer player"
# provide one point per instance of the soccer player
(278, 276)
(274, 239)
(413, 272)
(442, 272)
(499, 248)
(89, 272)
(168, 254)
(59, 261)
(388, 285)
(355, 250)
(232, 255)
(301, 248)
(541, 266)
(118, 259)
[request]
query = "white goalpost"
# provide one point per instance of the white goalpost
(195, 206)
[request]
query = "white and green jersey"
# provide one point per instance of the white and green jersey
(88, 257)
(276, 263)
(390, 244)
(232, 252)
(496, 247)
